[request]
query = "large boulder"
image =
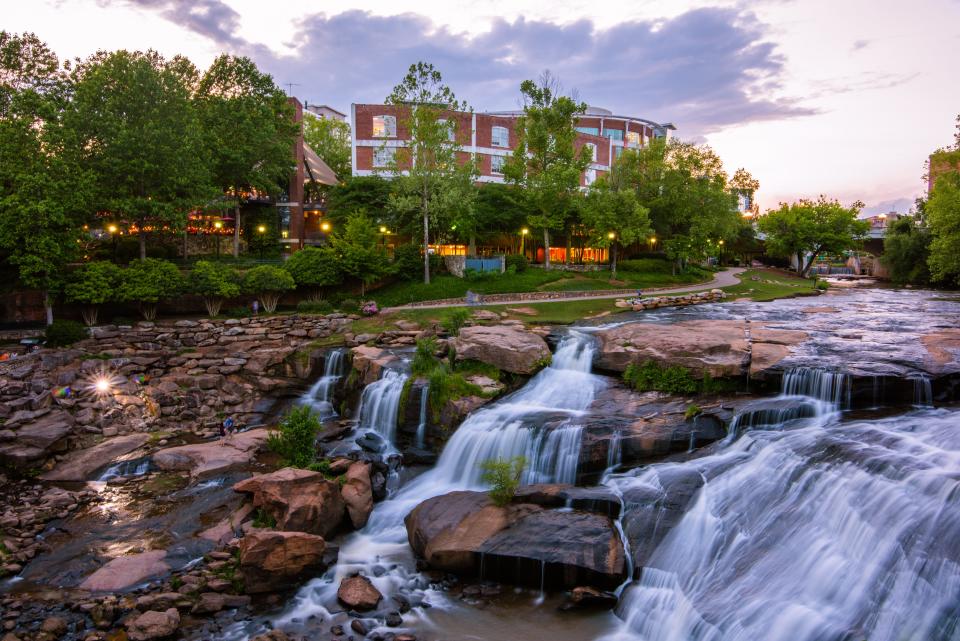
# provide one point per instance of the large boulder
(37, 439)
(508, 348)
(369, 362)
(127, 572)
(81, 464)
(154, 625)
(524, 543)
(272, 561)
(357, 493)
(358, 593)
(214, 457)
(299, 500)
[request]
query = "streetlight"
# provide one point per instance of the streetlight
(261, 229)
(523, 236)
(113, 238)
(218, 225)
(653, 241)
(613, 254)
(325, 227)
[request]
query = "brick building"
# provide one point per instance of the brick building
(490, 137)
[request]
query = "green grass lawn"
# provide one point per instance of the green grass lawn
(771, 285)
(643, 273)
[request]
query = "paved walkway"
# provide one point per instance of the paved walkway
(721, 279)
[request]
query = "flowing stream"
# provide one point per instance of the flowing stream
(320, 395)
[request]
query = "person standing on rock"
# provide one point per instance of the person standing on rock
(229, 426)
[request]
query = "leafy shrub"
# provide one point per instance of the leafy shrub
(314, 267)
(822, 285)
(423, 358)
(295, 438)
(349, 305)
(65, 332)
(504, 477)
(263, 519)
(92, 285)
(268, 283)
(148, 281)
(314, 307)
(369, 308)
(214, 282)
(693, 411)
(518, 262)
(446, 386)
(649, 376)
(455, 320)
(408, 262)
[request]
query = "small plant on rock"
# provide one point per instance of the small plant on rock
(692, 412)
(504, 477)
(455, 321)
(295, 438)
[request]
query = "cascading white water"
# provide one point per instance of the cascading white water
(825, 531)
(320, 395)
(134, 467)
(822, 384)
(421, 436)
(379, 404)
(922, 391)
(538, 422)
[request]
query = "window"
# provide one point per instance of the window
(591, 176)
(613, 134)
(593, 131)
(633, 138)
(499, 137)
(451, 129)
(617, 152)
(383, 156)
(384, 126)
(593, 151)
(497, 163)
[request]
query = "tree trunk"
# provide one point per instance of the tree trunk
(799, 262)
(48, 306)
(546, 248)
(236, 229)
(426, 246)
(613, 261)
(813, 257)
(472, 248)
(566, 256)
(148, 311)
(184, 244)
(142, 235)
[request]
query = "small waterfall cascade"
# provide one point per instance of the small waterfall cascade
(421, 436)
(133, 467)
(379, 404)
(825, 385)
(320, 395)
(922, 391)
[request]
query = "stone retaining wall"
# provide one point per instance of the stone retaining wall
(654, 302)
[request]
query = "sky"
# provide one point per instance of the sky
(845, 98)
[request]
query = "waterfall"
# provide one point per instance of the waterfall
(320, 395)
(922, 391)
(421, 437)
(379, 404)
(822, 384)
(133, 467)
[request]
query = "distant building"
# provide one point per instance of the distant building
(491, 137)
(324, 111)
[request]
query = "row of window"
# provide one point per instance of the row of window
(633, 137)
(384, 157)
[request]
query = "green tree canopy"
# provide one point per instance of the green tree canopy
(614, 217)
(148, 281)
(812, 228)
(331, 140)
(268, 283)
(906, 251)
(140, 136)
(359, 252)
(315, 267)
(431, 184)
(943, 218)
(360, 193)
(249, 128)
(45, 191)
(214, 282)
(545, 162)
(92, 285)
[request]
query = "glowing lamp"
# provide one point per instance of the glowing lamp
(218, 224)
(383, 230)
(324, 226)
(524, 231)
(611, 235)
(112, 229)
(261, 228)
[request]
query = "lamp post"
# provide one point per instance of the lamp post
(523, 237)
(218, 225)
(261, 229)
(653, 242)
(612, 237)
(720, 243)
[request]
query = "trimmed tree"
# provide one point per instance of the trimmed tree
(91, 286)
(359, 252)
(812, 228)
(214, 282)
(268, 283)
(316, 268)
(614, 217)
(148, 281)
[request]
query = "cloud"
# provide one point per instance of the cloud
(703, 70)
(860, 44)
(900, 205)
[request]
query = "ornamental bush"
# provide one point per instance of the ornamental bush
(148, 281)
(315, 268)
(295, 437)
(268, 283)
(214, 282)
(519, 263)
(64, 332)
(92, 285)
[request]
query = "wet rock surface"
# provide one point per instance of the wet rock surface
(276, 561)
(298, 500)
(358, 593)
(506, 347)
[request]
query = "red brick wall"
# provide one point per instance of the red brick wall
(485, 125)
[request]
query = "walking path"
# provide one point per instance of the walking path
(721, 279)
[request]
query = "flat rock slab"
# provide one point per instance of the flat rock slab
(215, 457)
(507, 347)
(125, 572)
(943, 349)
(81, 464)
(37, 439)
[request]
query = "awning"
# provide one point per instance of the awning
(316, 169)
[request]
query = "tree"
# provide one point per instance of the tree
(943, 218)
(330, 138)
(906, 250)
(148, 281)
(811, 228)
(250, 129)
(744, 186)
(545, 162)
(316, 268)
(359, 252)
(92, 285)
(613, 217)
(268, 283)
(44, 189)
(139, 134)
(358, 193)
(214, 282)
(429, 179)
